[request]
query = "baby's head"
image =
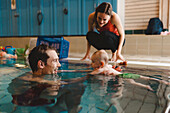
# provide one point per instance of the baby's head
(99, 59)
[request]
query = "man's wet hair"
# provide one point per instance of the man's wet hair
(39, 53)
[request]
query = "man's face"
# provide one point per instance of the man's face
(52, 63)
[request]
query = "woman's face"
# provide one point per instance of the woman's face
(102, 19)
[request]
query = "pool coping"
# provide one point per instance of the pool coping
(131, 62)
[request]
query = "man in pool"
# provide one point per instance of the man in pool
(100, 65)
(42, 86)
(43, 60)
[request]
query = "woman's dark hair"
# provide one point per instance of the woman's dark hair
(104, 7)
(38, 53)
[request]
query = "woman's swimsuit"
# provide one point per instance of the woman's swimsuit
(109, 27)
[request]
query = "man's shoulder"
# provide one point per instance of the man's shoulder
(26, 76)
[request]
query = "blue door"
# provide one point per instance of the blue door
(41, 17)
(34, 26)
(14, 22)
(72, 17)
(20, 19)
(58, 25)
(67, 17)
(47, 17)
(5, 19)
(88, 6)
(56, 17)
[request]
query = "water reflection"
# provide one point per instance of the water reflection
(64, 97)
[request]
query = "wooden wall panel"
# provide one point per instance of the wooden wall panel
(139, 12)
(164, 12)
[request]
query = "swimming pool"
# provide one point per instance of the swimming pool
(95, 94)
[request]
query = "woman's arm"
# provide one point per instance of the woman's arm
(91, 22)
(117, 22)
(87, 55)
(90, 28)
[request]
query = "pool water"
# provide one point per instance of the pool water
(82, 94)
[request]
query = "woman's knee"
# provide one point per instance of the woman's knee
(108, 33)
(91, 35)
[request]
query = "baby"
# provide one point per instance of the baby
(100, 65)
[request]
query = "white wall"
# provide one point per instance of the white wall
(169, 17)
(121, 10)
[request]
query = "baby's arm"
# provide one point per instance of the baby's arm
(139, 84)
(114, 72)
(105, 71)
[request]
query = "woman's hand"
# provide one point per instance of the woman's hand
(117, 56)
(87, 55)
